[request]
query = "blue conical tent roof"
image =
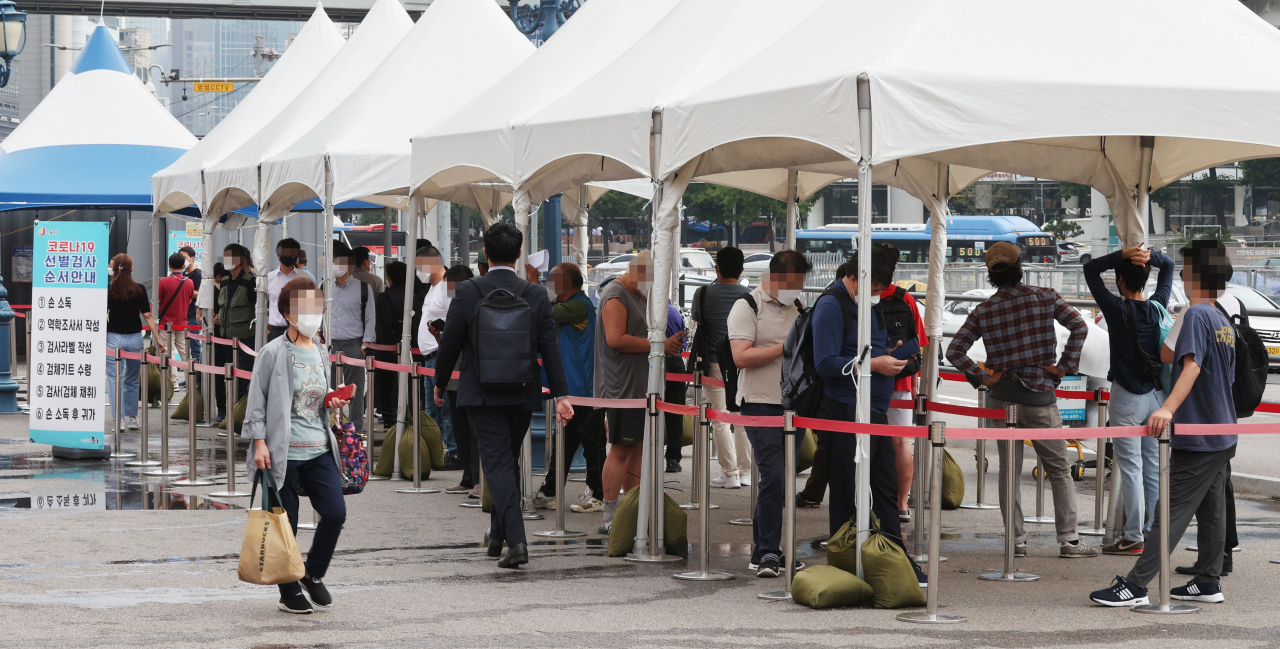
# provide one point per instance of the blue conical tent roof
(94, 141)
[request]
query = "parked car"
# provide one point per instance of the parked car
(755, 265)
(955, 312)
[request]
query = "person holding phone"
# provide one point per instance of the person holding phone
(287, 419)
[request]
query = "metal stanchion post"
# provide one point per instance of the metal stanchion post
(400, 426)
(1010, 492)
(369, 418)
(917, 479)
(206, 384)
(1039, 518)
(164, 470)
(753, 494)
(1100, 472)
(1114, 527)
(143, 459)
(231, 492)
(562, 467)
(526, 479)
(788, 509)
(116, 453)
(192, 480)
(656, 552)
(415, 387)
(700, 453)
(937, 438)
(703, 487)
(1165, 606)
(981, 453)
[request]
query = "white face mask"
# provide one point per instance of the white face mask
(309, 323)
(341, 269)
(229, 262)
(423, 276)
(789, 295)
(643, 287)
(875, 299)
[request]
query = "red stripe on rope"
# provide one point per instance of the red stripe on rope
(154, 359)
(382, 348)
(1046, 433)
(246, 349)
(133, 356)
(608, 403)
(742, 420)
(902, 404)
(242, 374)
(715, 383)
(967, 411)
(1225, 429)
(677, 409)
(394, 367)
(225, 342)
(21, 315)
(182, 365)
(859, 428)
(952, 376)
(1078, 394)
(210, 369)
(1267, 407)
(20, 306)
(681, 378)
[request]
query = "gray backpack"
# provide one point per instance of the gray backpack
(504, 338)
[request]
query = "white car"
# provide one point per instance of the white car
(956, 312)
(618, 264)
(755, 265)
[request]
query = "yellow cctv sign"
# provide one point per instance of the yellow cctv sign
(215, 86)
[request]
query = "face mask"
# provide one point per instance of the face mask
(875, 299)
(423, 277)
(110, 271)
(288, 261)
(341, 269)
(644, 287)
(309, 323)
(229, 262)
(789, 295)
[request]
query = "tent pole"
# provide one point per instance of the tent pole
(523, 211)
(935, 297)
(1148, 143)
(863, 490)
(793, 208)
(406, 336)
(388, 239)
(326, 251)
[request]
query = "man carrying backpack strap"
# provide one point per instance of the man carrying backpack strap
(902, 321)
(756, 336)
(499, 383)
(1203, 372)
(1135, 326)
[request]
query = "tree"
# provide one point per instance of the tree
(1063, 229)
(1215, 190)
(1261, 173)
(1068, 191)
(372, 218)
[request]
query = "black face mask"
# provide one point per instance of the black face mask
(289, 260)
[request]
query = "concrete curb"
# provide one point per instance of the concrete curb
(1255, 485)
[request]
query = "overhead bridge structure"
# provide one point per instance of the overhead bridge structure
(300, 10)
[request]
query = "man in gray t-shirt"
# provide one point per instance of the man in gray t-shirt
(711, 307)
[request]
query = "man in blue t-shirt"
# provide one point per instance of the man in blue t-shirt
(1204, 369)
(835, 348)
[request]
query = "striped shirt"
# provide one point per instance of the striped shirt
(1016, 326)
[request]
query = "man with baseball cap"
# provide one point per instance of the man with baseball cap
(1016, 326)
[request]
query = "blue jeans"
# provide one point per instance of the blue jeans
(1137, 458)
(319, 476)
(128, 389)
(768, 447)
(194, 345)
(442, 414)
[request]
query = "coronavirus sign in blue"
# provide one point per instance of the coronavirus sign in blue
(69, 334)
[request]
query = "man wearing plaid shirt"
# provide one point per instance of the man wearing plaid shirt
(1016, 326)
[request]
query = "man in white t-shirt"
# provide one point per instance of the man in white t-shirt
(435, 306)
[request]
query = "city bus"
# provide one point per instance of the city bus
(967, 239)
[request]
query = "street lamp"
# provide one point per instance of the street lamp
(13, 36)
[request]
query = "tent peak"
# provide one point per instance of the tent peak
(100, 53)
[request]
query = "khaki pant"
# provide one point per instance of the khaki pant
(1057, 470)
(183, 347)
(732, 446)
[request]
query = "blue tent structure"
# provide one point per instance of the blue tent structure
(94, 141)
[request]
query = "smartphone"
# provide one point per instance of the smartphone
(438, 323)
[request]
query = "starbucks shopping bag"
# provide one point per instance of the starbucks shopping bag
(269, 554)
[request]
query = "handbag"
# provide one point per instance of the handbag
(269, 554)
(355, 460)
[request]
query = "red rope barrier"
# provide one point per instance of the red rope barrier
(743, 420)
(20, 315)
(246, 349)
(154, 359)
(394, 367)
(133, 356)
(681, 378)
(242, 374)
(1225, 429)
(225, 342)
(677, 409)
(967, 411)
(382, 348)
(715, 383)
(902, 404)
(1046, 433)
(857, 428)
(1079, 394)
(210, 369)
(952, 376)
(1267, 407)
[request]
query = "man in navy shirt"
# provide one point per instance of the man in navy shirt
(1133, 322)
(835, 348)
(1203, 371)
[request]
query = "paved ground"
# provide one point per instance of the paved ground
(152, 567)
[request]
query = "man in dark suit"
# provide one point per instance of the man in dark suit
(500, 419)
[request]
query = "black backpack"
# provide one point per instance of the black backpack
(900, 323)
(801, 384)
(729, 370)
(1252, 363)
(504, 338)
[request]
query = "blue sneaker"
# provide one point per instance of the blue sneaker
(1199, 592)
(1121, 593)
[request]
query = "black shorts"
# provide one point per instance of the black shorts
(626, 426)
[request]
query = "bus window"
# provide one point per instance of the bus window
(966, 252)
(843, 244)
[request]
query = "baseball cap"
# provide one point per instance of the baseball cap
(480, 258)
(1001, 255)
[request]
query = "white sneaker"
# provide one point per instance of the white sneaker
(131, 423)
(542, 501)
(588, 505)
(726, 482)
(745, 480)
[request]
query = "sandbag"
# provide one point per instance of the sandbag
(829, 587)
(180, 411)
(237, 414)
(156, 378)
(807, 449)
(890, 574)
(952, 482)
(690, 425)
(841, 548)
(430, 450)
(622, 535)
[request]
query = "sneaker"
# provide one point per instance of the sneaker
(1123, 546)
(726, 482)
(770, 567)
(182, 385)
(296, 604)
(673, 466)
(587, 506)
(1197, 592)
(1077, 550)
(475, 492)
(542, 501)
(315, 589)
(904, 515)
(131, 423)
(1121, 593)
(457, 489)
(744, 480)
(1019, 549)
(451, 462)
(604, 529)
(921, 577)
(801, 501)
(754, 564)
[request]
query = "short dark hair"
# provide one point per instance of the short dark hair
(176, 261)
(729, 262)
(230, 247)
(427, 251)
(790, 261)
(422, 243)
(360, 254)
(459, 273)
(295, 286)
(341, 249)
(219, 270)
(302, 255)
(571, 272)
(1208, 259)
(502, 242)
(1135, 277)
(288, 244)
(395, 272)
(188, 250)
(1007, 277)
(884, 261)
